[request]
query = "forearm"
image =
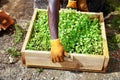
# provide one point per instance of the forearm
(53, 17)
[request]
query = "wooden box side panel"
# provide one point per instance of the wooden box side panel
(78, 62)
(105, 46)
(29, 31)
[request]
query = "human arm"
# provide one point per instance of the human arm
(57, 51)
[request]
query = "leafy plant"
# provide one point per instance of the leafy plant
(114, 42)
(114, 22)
(113, 4)
(13, 52)
(77, 33)
(39, 70)
(17, 36)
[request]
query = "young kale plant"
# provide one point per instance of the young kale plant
(77, 33)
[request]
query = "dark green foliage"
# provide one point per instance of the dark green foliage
(113, 42)
(113, 4)
(13, 52)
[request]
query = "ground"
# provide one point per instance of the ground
(21, 11)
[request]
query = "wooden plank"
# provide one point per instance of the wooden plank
(29, 31)
(28, 35)
(79, 61)
(105, 46)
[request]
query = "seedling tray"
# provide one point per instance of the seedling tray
(81, 62)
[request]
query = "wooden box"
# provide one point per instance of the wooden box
(81, 62)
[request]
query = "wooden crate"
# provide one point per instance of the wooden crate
(81, 62)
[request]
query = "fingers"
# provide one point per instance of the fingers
(61, 59)
(57, 59)
(53, 60)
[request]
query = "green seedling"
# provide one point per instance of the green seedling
(17, 36)
(12, 51)
(77, 33)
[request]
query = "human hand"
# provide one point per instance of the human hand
(57, 51)
(72, 4)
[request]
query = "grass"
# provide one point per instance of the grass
(39, 70)
(113, 41)
(13, 51)
(17, 36)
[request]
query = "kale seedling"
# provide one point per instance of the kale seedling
(77, 33)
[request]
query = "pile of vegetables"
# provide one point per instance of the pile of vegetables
(77, 32)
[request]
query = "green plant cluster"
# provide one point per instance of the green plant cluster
(13, 52)
(113, 5)
(17, 36)
(114, 22)
(77, 33)
(40, 38)
(113, 42)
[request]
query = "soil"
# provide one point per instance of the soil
(21, 11)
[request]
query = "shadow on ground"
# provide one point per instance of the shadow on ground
(3, 2)
(112, 24)
(8, 31)
(113, 66)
